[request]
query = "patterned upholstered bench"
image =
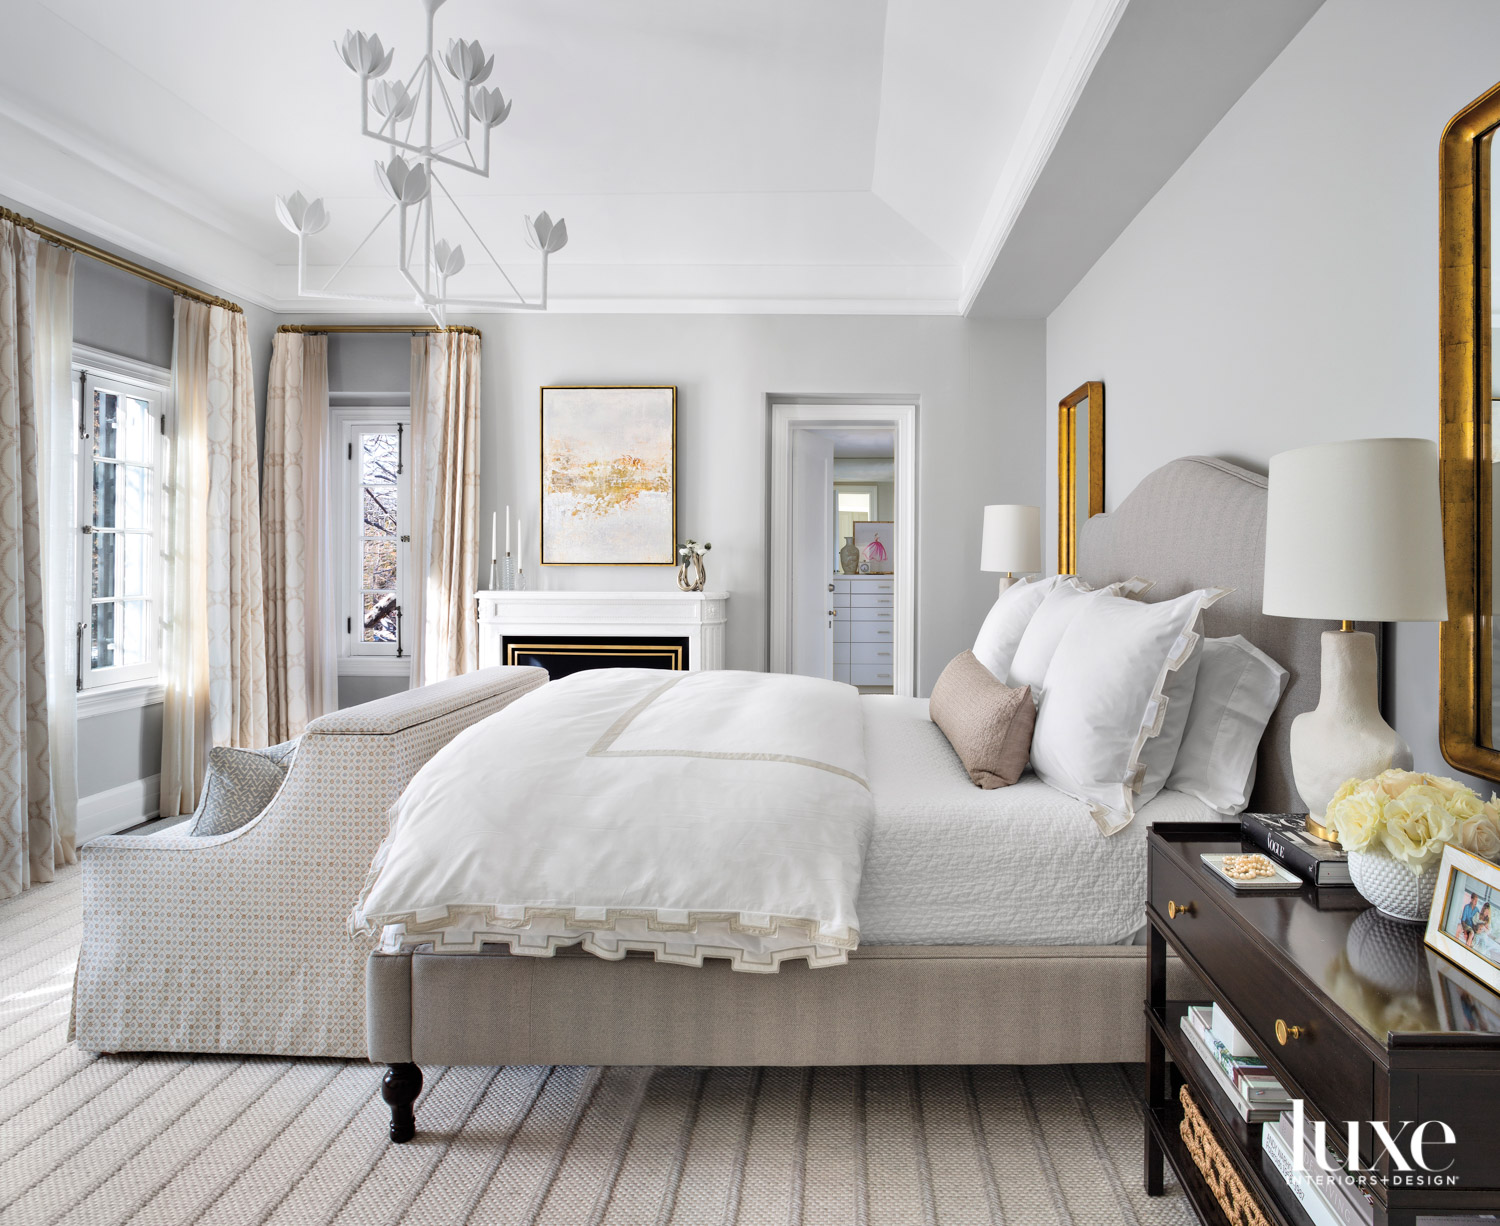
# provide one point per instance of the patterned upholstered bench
(238, 942)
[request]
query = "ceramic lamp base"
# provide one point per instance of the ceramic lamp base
(1345, 737)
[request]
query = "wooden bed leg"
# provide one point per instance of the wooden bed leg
(400, 1087)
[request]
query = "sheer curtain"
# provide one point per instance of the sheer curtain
(38, 791)
(445, 502)
(214, 648)
(296, 516)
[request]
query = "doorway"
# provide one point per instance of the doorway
(843, 544)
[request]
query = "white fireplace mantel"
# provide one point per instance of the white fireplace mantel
(699, 617)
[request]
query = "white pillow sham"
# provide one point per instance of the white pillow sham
(1044, 631)
(1103, 698)
(1238, 689)
(995, 645)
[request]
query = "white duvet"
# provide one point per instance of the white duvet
(708, 814)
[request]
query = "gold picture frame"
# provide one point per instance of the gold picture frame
(1088, 398)
(1459, 922)
(1465, 443)
(632, 525)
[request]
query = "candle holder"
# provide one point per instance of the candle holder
(507, 574)
(494, 583)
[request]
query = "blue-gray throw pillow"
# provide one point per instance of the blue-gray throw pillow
(240, 784)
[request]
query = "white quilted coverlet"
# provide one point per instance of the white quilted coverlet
(692, 815)
(952, 864)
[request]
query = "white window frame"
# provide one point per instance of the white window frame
(355, 657)
(120, 687)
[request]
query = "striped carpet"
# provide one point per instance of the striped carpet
(166, 1139)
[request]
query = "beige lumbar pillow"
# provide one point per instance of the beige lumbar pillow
(987, 722)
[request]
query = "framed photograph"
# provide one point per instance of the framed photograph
(876, 541)
(609, 476)
(1463, 1003)
(1464, 924)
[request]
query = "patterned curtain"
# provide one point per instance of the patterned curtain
(38, 793)
(445, 502)
(215, 637)
(296, 518)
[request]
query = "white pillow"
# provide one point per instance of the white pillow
(1045, 630)
(1102, 699)
(1006, 622)
(1237, 692)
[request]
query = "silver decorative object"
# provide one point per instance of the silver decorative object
(688, 554)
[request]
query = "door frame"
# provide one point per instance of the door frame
(800, 413)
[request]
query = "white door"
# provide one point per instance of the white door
(811, 523)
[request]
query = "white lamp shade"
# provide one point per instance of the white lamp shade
(1354, 531)
(1012, 539)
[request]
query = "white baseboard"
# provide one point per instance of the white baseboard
(118, 808)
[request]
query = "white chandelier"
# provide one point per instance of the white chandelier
(410, 178)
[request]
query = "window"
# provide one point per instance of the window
(372, 444)
(122, 422)
(852, 504)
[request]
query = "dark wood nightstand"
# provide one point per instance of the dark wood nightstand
(1359, 1003)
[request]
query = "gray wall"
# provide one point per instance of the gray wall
(978, 383)
(1282, 288)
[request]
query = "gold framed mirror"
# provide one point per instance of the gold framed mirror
(1467, 715)
(1080, 467)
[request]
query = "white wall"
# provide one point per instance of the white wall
(1282, 288)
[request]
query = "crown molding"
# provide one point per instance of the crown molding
(1088, 29)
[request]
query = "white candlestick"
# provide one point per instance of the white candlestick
(507, 531)
(494, 535)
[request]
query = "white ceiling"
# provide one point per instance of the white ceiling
(762, 155)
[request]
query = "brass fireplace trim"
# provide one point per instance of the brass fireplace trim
(670, 651)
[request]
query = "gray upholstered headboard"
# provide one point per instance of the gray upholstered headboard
(1201, 522)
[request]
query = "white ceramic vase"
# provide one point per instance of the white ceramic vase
(1345, 737)
(1395, 890)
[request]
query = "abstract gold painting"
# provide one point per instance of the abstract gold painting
(609, 476)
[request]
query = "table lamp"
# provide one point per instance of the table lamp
(1354, 533)
(1012, 541)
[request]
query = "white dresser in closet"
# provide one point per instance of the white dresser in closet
(864, 629)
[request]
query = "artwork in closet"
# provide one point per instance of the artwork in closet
(875, 540)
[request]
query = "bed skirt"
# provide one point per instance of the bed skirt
(890, 1005)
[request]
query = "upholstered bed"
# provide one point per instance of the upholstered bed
(996, 927)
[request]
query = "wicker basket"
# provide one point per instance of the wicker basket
(1229, 1190)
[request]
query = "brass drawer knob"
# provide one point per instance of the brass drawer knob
(1174, 909)
(1285, 1034)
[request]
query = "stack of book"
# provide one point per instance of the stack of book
(1330, 1198)
(1235, 1068)
(1285, 838)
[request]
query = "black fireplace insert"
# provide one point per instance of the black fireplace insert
(562, 655)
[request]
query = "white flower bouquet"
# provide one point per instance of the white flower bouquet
(1409, 816)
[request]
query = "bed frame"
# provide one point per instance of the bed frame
(1194, 522)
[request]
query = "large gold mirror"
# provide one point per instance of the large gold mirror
(1080, 468)
(1469, 704)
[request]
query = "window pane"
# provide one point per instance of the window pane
(854, 502)
(121, 633)
(104, 636)
(121, 496)
(378, 459)
(120, 564)
(380, 512)
(133, 622)
(123, 427)
(379, 617)
(379, 568)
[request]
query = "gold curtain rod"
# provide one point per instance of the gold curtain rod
(116, 261)
(318, 329)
